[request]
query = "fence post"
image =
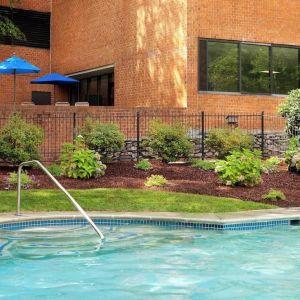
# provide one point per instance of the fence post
(263, 133)
(202, 135)
(74, 126)
(138, 135)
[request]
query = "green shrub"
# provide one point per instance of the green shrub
(290, 109)
(292, 155)
(274, 195)
(168, 142)
(224, 141)
(203, 164)
(144, 165)
(79, 162)
(156, 180)
(55, 170)
(12, 180)
(103, 138)
(20, 141)
(240, 168)
(271, 165)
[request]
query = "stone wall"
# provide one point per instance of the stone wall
(275, 145)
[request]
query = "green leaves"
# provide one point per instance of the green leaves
(79, 162)
(240, 168)
(290, 109)
(103, 138)
(168, 142)
(224, 141)
(203, 164)
(20, 141)
(156, 180)
(144, 165)
(271, 165)
(292, 155)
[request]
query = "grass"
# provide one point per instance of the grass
(124, 200)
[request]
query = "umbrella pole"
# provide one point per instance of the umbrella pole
(14, 90)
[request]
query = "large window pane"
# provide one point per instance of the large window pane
(255, 69)
(203, 65)
(83, 90)
(222, 66)
(103, 90)
(285, 69)
(92, 90)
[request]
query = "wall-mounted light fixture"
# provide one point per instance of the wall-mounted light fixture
(232, 120)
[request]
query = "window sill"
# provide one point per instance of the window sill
(240, 94)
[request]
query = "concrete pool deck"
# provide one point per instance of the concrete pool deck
(215, 218)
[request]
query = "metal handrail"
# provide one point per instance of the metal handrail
(79, 208)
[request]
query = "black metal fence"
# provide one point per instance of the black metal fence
(60, 127)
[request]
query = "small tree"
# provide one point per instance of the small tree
(168, 142)
(290, 109)
(103, 138)
(20, 141)
(8, 27)
(224, 141)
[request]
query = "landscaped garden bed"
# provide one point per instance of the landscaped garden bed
(181, 178)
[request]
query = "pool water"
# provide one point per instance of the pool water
(148, 262)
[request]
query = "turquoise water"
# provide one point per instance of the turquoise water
(144, 262)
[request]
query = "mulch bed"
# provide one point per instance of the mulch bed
(182, 178)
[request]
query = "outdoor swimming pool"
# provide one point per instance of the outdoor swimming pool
(149, 262)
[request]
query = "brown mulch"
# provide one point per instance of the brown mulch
(182, 178)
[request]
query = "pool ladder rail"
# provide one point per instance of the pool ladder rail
(55, 181)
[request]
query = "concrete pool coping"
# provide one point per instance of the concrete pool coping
(292, 213)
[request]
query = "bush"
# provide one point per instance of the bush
(168, 142)
(12, 180)
(291, 150)
(103, 138)
(203, 164)
(240, 168)
(156, 180)
(292, 155)
(144, 165)
(274, 195)
(80, 162)
(19, 141)
(290, 109)
(271, 165)
(224, 141)
(55, 170)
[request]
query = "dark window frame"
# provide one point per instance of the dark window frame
(37, 31)
(239, 62)
(110, 85)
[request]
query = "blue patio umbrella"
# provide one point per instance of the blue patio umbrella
(55, 79)
(14, 66)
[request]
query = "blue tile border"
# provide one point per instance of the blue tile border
(163, 223)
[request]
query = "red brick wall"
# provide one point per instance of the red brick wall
(145, 40)
(153, 46)
(261, 21)
(148, 40)
(38, 57)
(38, 5)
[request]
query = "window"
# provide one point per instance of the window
(41, 98)
(285, 69)
(255, 72)
(247, 68)
(35, 25)
(222, 67)
(96, 90)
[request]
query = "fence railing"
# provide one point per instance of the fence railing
(60, 127)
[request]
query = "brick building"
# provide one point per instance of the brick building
(196, 55)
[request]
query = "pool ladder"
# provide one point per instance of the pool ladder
(79, 208)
